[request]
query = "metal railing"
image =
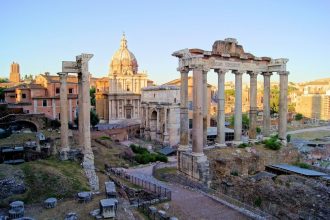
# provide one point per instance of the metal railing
(149, 186)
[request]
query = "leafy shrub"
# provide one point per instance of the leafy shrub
(288, 138)
(234, 173)
(258, 130)
(298, 117)
(138, 149)
(143, 156)
(273, 143)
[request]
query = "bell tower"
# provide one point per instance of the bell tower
(15, 75)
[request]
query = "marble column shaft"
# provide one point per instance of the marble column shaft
(253, 105)
(266, 104)
(86, 105)
(283, 108)
(184, 120)
(205, 107)
(197, 133)
(238, 106)
(64, 111)
(221, 107)
(81, 111)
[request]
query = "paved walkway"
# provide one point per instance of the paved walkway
(191, 204)
(323, 128)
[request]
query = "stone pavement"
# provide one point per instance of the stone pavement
(191, 204)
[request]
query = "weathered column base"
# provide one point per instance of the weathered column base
(284, 143)
(64, 153)
(89, 169)
(195, 166)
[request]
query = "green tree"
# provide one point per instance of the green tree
(245, 121)
(298, 117)
(274, 100)
(92, 95)
(93, 116)
(2, 93)
(3, 80)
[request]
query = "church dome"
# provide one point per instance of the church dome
(123, 62)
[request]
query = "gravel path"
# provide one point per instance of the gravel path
(190, 204)
(324, 128)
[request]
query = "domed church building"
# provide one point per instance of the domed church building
(119, 95)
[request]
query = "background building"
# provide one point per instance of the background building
(160, 116)
(122, 98)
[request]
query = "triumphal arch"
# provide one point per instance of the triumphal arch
(226, 56)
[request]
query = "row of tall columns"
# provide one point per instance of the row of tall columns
(200, 107)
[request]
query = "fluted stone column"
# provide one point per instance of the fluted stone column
(283, 108)
(184, 120)
(238, 106)
(266, 104)
(253, 105)
(197, 133)
(64, 115)
(205, 107)
(220, 141)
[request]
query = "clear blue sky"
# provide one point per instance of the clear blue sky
(40, 34)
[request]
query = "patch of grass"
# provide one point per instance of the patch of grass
(105, 138)
(243, 145)
(52, 178)
(161, 173)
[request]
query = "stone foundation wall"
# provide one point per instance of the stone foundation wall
(193, 166)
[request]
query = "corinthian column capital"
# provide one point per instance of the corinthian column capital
(253, 74)
(183, 69)
(221, 71)
(238, 72)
